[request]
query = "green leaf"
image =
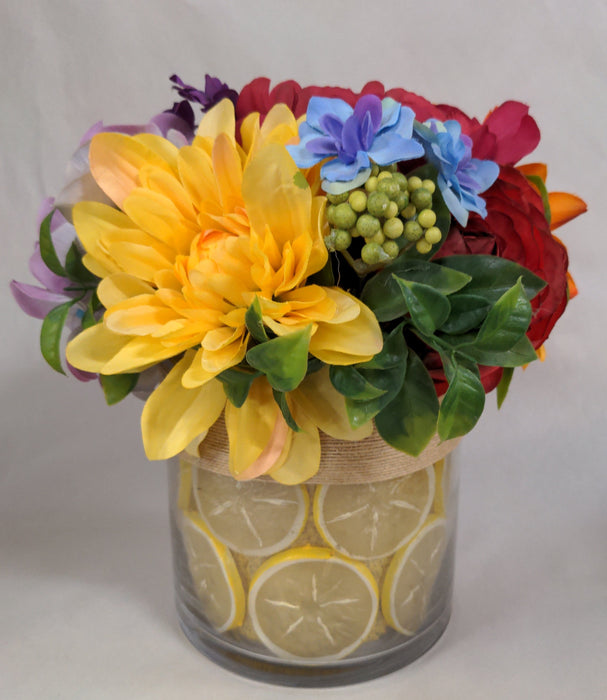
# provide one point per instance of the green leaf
(468, 311)
(47, 249)
(506, 322)
(281, 399)
(117, 386)
(237, 383)
(351, 383)
(88, 319)
(539, 183)
(493, 276)
(299, 179)
(409, 421)
(254, 321)
(50, 334)
(504, 385)
(382, 295)
(324, 277)
(393, 352)
(391, 380)
(519, 354)
(75, 269)
(429, 309)
(462, 404)
(284, 360)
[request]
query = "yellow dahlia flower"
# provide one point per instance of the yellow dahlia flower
(196, 235)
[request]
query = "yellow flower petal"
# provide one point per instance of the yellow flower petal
(228, 169)
(92, 349)
(121, 286)
(303, 458)
(115, 160)
(326, 407)
(140, 353)
(141, 315)
(162, 147)
(218, 120)
(173, 415)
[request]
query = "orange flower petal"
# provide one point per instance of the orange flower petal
(564, 207)
(538, 169)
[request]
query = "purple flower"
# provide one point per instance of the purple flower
(54, 290)
(214, 91)
(460, 176)
(351, 139)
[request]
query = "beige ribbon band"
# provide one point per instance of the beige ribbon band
(342, 462)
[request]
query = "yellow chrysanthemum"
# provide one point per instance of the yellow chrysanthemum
(196, 235)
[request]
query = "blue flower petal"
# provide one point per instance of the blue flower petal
(391, 148)
(302, 157)
(334, 170)
(322, 146)
(341, 187)
(318, 106)
(486, 173)
(371, 105)
(391, 110)
(452, 202)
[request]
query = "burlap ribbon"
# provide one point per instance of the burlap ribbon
(342, 462)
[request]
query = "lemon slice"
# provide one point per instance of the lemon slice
(442, 485)
(214, 574)
(411, 576)
(369, 521)
(184, 489)
(256, 518)
(312, 605)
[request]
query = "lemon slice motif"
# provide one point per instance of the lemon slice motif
(411, 576)
(256, 518)
(369, 521)
(312, 605)
(215, 577)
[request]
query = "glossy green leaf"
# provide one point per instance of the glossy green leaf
(468, 311)
(47, 249)
(50, 334)
(75, 269)
(381, 293)
(117, 386)
(281, 399)
(462, 404)
(504, 385)
(254, 321)
(393, 352)
(324, 277)
(506, 322)
(539, 183)
(493, 276)
(519, 354)
(352, 384)
(409, 421)
(284, 360)
(429, 308)
(237, 383)
(89, 319)
(390, 380)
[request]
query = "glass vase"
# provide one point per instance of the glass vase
(318, 584)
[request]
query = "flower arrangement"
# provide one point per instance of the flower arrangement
(302, 260)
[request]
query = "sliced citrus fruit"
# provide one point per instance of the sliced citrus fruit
(369, 521)
(411, 576)
(256, 518)
(184, 489)
(215, 577)
(312, 604)
(441, 469)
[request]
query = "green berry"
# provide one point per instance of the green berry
(337, 198)
(391, 247)
(367, 225)
(409, 211)
(393, 228)
(421, 198)
(358, 200)
(377, 238)
(384, 174)
(342, 239)
(375, 170)
(344, 216)
(422, 246)
(377, 203)
(402, 200)
(371, 253)
(401, 179)
(413, 231)
(389, 186)
(426, 218)
(371, 184)
(331, 213)
(433, 235)
(414, 183)
(391, 210)
(429, 185)
(330, 240)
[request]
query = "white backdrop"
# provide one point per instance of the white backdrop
(85, 582)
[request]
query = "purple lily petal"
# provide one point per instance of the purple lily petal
(332, 125)
(81, 375)
(214, 91)
(54, 283)
(371, 105)
(319, 106)
(321, 146)
(35, 301)
(167, 121)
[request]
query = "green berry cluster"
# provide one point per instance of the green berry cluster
(389, 212)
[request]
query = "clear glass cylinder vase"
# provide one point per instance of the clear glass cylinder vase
(315, 584)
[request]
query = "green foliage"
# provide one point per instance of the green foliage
(429, 308)
(237, 383)
(254, 321)
(462, 404)
(47, 249)
(117, 386)
(281, 399)
(504, 385)
(50, 334)
(284, 360)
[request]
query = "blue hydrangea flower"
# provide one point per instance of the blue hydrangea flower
(460, 176)
(350, 138)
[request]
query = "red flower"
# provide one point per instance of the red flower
(507, 134)
(516, 229)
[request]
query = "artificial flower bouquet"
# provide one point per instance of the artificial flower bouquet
(303, 263)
